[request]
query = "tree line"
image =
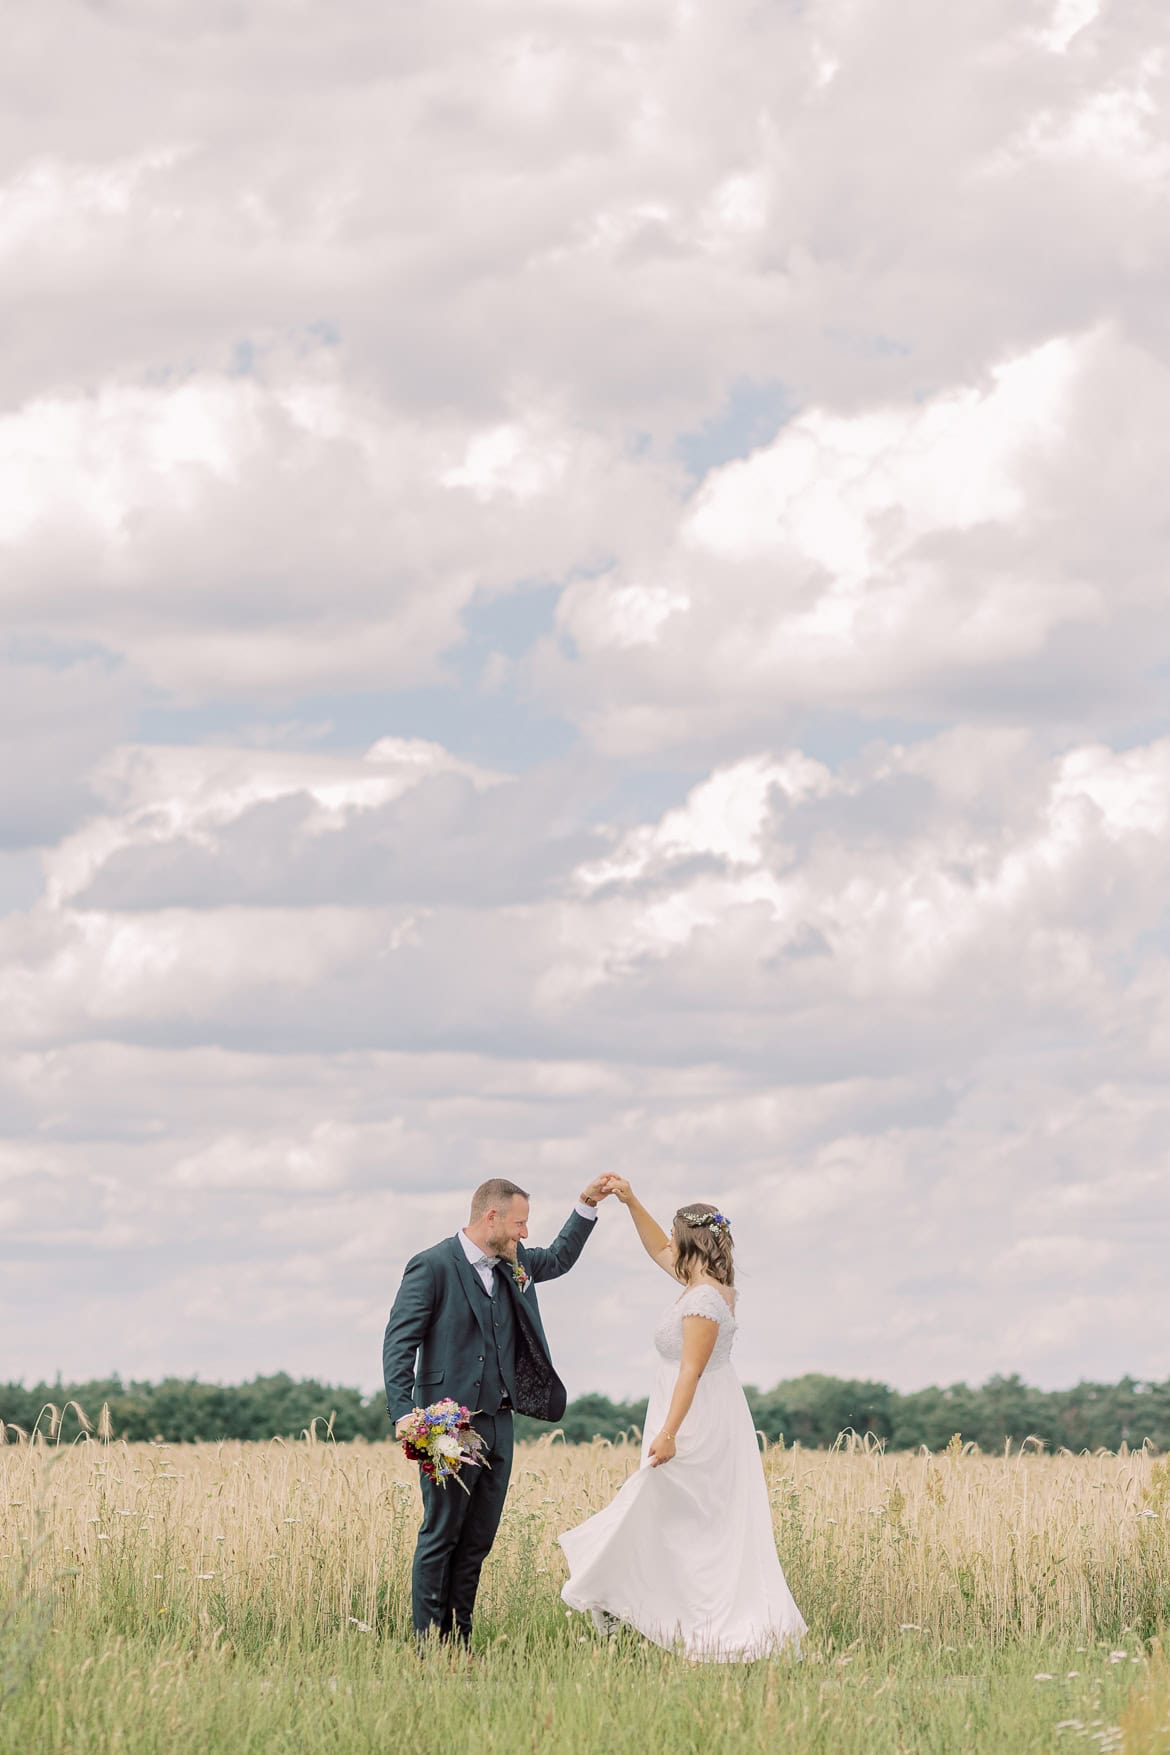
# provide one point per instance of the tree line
(811, 1410)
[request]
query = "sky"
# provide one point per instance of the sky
(583, 586)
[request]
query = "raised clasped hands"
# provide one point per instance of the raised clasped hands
(596, 1190)
(614, 1184)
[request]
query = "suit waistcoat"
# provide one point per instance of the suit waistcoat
(499, 1368)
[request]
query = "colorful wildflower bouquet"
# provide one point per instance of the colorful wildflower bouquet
(442, 1441)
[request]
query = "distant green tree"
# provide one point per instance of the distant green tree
(810, 1410)
(772, 1415)
(932, 1416)
(589, 1416)
(1008, 1410)
(818, 1408)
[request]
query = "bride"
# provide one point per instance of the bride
(685, 1552)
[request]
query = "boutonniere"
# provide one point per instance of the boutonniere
(523, 1280)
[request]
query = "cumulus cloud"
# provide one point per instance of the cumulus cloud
(777, 881)
(920, 557)
(763, 413)
(818, 1006)
(159, 795)
(228, 536)
(436, 833)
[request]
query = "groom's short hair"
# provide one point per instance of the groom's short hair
(496, 1192)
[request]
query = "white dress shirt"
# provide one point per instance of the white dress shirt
(487, 1274)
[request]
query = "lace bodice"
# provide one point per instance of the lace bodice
(697, 1301)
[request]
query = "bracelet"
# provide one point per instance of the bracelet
(586, 1202)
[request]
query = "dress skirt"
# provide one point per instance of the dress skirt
(685, 1552)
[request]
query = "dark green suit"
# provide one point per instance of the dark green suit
(447, 1336)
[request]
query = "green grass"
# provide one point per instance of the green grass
(547, 1682)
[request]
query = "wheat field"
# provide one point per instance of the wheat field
(252, 1597)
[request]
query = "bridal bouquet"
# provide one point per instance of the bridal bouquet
(442, 1441)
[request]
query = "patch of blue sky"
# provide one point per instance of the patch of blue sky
(243, 361)
(1136, 731)
(753, 414)
(497, 728)
(629, 795)
(22, 880)
(509, 625)
(493, 723)
(838, 738)
(248, 355)
(1152, 943)
(47, 652)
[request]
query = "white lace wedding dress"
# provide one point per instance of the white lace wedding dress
(685, 1552)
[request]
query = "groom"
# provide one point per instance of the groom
(468, 1309)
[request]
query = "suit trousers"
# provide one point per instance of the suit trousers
(456, 1535)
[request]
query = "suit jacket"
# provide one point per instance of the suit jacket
(441, 1317)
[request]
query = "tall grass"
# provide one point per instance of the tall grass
(292, 1542)
(937, 1589)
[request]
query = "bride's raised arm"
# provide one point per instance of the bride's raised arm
(654, 1239)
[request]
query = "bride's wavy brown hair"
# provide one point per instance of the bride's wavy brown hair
(701, 1249)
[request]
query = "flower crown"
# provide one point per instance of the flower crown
(713, 1221)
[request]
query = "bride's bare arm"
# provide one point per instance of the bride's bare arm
(699, 1337)
(654, 1239)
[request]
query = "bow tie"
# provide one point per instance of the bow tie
(488, 1261)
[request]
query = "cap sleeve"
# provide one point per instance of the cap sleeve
(705, 1301)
